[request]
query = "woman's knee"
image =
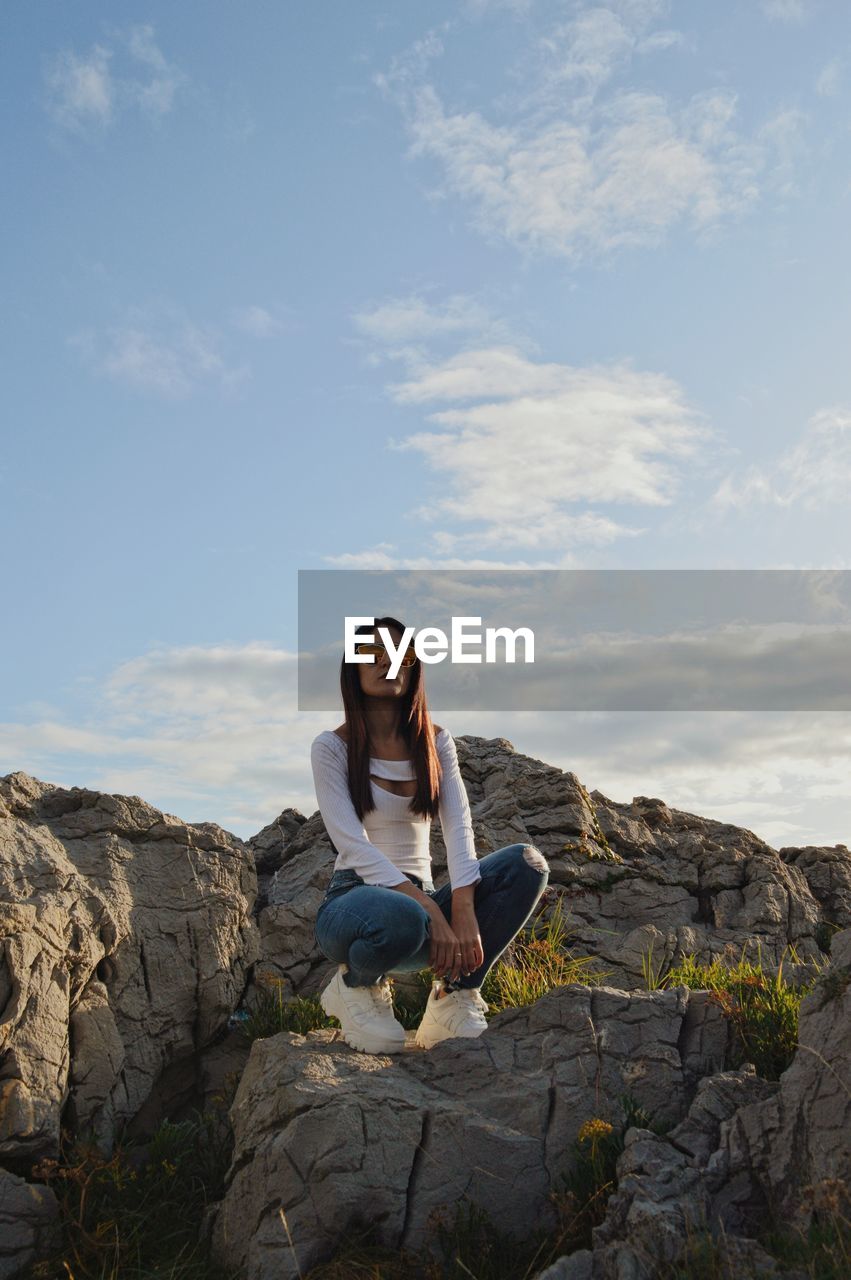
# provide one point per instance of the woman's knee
(533, 857)
(525, 856)
(406, 929)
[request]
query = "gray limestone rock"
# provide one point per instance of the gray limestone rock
(330, 1138)
(29, 1224)
(640, 881)
(125, 942)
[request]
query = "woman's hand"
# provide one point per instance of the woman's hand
(455, 949)
(444, 945)
(466, 930)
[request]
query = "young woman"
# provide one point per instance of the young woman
(380, 778)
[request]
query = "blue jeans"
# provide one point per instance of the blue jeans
(375, 930)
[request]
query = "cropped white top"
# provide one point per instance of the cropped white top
(392, 841)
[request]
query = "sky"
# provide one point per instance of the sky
(489, 284)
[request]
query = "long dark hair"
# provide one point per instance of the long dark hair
(414, 726)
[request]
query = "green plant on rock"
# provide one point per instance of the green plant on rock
(762, 1009)
(362, 1256)
(272, 1013)
(409, 1004)
(824, 1248)
(136, 1214)
(464, 1242)
(654, 979)
(823, 934)
(821, 1252)
(582, 1193)
(473, 1246)
(533, 963)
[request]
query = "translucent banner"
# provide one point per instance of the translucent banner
(601, 639)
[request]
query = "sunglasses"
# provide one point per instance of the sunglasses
(376, 650)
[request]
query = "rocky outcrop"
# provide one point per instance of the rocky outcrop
(746, 1150)
(801, 1137)
(670, 1187)
(334, 1138)
(301, 856)
(126, 940)
(29, 1223)
(640, 880)
(327, 1140)
(127, 937)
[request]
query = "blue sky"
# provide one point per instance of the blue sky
(560, 285)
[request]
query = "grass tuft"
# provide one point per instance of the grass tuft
(136, 1214)
(272, 1013)
(762, 1009)
(821, 1252)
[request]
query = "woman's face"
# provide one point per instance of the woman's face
(373, 675)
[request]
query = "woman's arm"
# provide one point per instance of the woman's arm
(455, 821)
(341, 820)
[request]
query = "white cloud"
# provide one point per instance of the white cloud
(220, 684)
(206, 733)
(784, 135)
(540, 437)
(580, 173)
(414, 319)
(524, 452)
(80, 91)
(159, 350)
(90, 90)
(828, 79)
(154, 96)
(813, 473)
(213, 734)
(478, 7)
(590, 47)
(379, 557)
(576, 191)
(257, 321)
(793, 11)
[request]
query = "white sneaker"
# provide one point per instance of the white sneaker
(365, 1014)
(458, 1013)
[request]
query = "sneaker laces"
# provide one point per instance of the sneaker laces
(471, 997)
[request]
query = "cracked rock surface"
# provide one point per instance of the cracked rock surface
(125, 938)
(335, 1138)
(745, 1146)
(29, 1223)
(632, 876)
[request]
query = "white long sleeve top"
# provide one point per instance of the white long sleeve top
(392, 841)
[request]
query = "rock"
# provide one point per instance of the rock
(746, 1149)
(293, 894)
(127, 937)
(126, 940)
(335, 1138)
(827, 871)
(29, 1224)
(664, 1192)
(801, 1137)
(641, 881)
(572, 1266)
(269, 849)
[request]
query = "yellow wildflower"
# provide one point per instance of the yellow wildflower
(594, 1129)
